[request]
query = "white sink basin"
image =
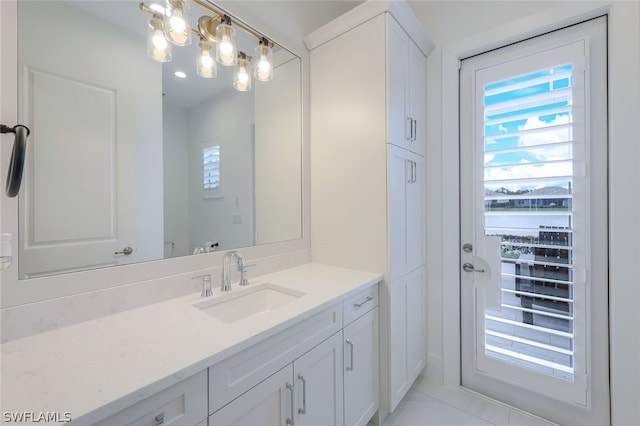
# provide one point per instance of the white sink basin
(240, 304)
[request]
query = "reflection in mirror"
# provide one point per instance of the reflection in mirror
(128, 162)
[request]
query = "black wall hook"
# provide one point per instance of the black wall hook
(18, 155)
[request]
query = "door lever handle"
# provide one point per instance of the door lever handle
(468, 267)
(126, 251)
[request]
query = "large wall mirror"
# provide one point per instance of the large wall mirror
(129, 161)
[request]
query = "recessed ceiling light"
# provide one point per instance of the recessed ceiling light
(180, 74)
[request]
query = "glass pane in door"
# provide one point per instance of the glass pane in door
(528, 206)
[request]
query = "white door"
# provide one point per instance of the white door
(93, 178)
(534, 225)
(319, 387)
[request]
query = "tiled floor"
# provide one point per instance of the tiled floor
(430, 404)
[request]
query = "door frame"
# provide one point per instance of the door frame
(622, 105)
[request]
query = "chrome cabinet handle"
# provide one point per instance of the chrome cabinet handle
(350, 367)
(303, 410)
(361, 304)
(468, 267)
(290, 421)
(410, 123)
(415, 172)
(159, 419)
(126, 251)
(414, 129)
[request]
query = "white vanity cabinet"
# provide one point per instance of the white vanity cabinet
(368, 97)
(332, 383)
(307, 391)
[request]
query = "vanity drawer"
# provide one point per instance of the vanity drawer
(184, 403)
(237, 374)
(360, 304)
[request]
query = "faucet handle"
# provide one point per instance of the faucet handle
(206, 285)
(243, 274)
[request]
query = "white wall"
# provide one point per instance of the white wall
(228, 118)
(456, 24)
(176, 176)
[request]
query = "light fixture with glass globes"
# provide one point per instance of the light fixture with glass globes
(171, 24)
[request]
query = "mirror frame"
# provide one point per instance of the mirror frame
(14, 291)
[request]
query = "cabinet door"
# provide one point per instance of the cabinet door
(361, 369)
(270, 403)
(406, 211)
(415, 214)
(407, 340)
(397, 83)
(417, 94)
(318, 384)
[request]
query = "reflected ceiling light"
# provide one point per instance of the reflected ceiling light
(180, 74)
(157, 46)
(226, 48)
(171, 24)
(178, 22)
(207, 66)
(263, 70)
(242, 73)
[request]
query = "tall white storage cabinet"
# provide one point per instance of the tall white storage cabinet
(368, 97)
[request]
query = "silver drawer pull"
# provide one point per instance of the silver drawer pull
(159, 419)
(350, 367)
(303, 410)
(360, 305)
(290, 420)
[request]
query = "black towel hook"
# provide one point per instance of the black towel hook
(18, 155)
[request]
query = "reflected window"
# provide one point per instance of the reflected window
(211, 171)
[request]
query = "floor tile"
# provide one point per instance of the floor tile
(418, 409)
(431, 404)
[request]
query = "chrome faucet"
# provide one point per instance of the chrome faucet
(226, 273)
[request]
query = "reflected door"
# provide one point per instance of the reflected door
(533, 143)
(96, 142)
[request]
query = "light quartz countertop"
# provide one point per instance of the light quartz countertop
(97, 368)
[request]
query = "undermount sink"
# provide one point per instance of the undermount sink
(243, 303)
